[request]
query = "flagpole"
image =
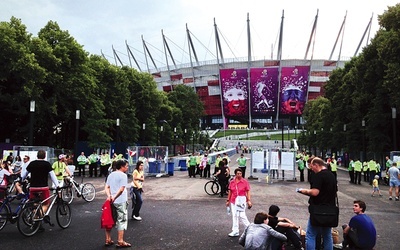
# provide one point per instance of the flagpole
(217, 45)
(248, 67)
(279, 58)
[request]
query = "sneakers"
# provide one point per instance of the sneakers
(137, 218)
(233, 234)
(20, 196)
(390, 198)
(397, 198)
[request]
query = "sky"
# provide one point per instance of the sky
(99, 25)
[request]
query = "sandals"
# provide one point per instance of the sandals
(109, 243)
(123, 244)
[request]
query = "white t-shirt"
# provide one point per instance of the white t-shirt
(2, 180)
(394, 173)
(116, 180)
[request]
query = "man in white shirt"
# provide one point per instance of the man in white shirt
(394, 181)
(116, 192)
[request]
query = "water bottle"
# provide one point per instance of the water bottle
(228, 210)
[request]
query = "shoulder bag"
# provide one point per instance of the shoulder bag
(324, 215)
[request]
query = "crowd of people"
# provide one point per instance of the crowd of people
(268, 230)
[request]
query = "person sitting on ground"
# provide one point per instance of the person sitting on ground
(360, 233)
(259, 235)
(284, 226)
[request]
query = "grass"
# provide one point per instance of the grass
(273, 137)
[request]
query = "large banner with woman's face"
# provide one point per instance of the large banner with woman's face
(293, 91)
(234, 91)
(264, 88)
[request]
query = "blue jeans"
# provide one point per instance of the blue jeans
(137, 203)
(311, 236)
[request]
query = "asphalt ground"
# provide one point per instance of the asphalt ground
(178, 214)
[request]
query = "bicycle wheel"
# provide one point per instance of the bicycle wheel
(88, 192)
(67, 195)
(211, 187)
(63, 214)
(4, 214)
(215, 188)
(27, 224)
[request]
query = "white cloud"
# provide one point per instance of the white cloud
(99, 24)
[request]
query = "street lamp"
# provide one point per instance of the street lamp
(117, 139)
(194, 133)
(77, 117)
(144, 133)
(185, 141)
(174, 141)
(364, 150)
(161, 131)
(315, 142)
(394, 116)
(32, 116)
(345, 144)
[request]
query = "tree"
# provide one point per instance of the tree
(19, 74)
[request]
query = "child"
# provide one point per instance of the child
(375, 186)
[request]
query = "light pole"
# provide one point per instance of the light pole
(174, 141)
(283, 145)
(364, 150)
(144, 133)
(161, 131)
(194, 133)
(345, 144)
(185, 141)
(31, 121)
(394, 115)
(117, 139)
(77, 117)
(315, 142)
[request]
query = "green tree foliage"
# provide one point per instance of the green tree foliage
(364, 90)
(61, 77)
(19, 74)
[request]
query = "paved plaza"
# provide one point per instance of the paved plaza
(178, 214)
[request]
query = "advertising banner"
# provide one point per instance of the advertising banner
(234, 90)
(293, 90)
(264, 90)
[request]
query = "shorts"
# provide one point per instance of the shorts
(376, 189)
(122, 215)
(393, 183)
(40, 192)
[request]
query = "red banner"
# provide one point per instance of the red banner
(234, 91)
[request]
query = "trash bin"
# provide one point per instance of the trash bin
(154, 167)
(182, 164)
(171, 168)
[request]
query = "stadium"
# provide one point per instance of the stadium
(244, 93)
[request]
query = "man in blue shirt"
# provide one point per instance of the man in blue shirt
(361, 232)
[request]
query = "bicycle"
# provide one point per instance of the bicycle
(85, 190)
(212, 187)
(6, 213)
(32, 215)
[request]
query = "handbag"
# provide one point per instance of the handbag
(240, 203)
(324, 215)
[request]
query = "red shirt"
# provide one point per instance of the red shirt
(238, 188)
